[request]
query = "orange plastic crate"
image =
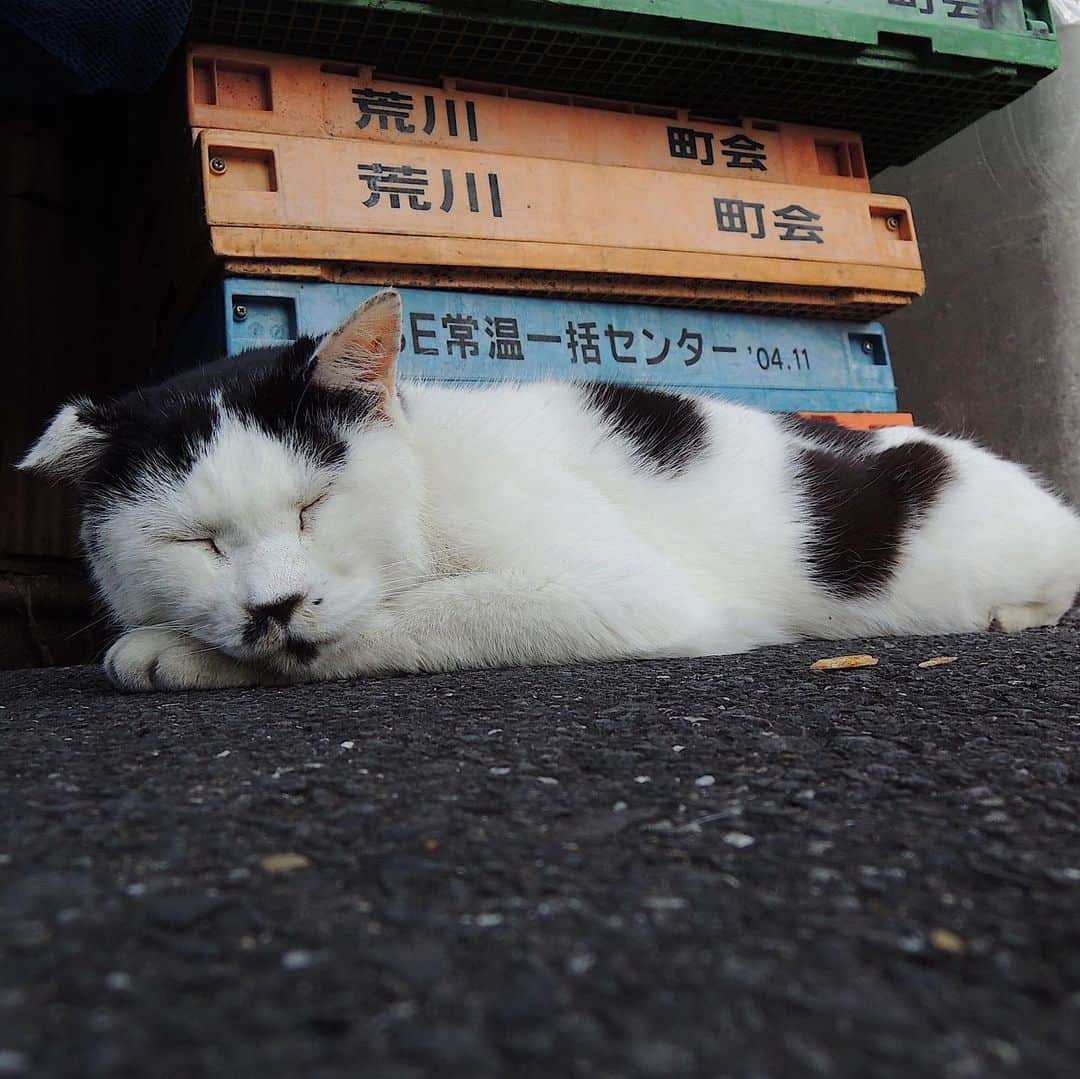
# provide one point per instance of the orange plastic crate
(834, 303)
(284, 198)
(865, 421)
(240, 90)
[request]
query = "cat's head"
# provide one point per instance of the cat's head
(262, 504)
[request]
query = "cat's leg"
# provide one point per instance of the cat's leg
(143, 660)
(506, 619)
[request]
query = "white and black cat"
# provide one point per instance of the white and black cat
(298, 514)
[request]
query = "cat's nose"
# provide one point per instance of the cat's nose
(279, 610)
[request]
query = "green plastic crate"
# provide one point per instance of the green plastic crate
(905, 74)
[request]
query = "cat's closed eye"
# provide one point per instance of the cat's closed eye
(308, 507)
(206, 541)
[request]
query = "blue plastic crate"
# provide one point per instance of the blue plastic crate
(781, 364)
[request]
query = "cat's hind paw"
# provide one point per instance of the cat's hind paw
(1016, 617)
(148, 660)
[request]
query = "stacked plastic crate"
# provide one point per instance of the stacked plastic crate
(607, 220)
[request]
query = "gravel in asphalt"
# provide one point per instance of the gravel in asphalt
(723, 867)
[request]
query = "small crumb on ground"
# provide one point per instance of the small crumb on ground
(843, 663)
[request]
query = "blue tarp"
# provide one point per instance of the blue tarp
(103, 44)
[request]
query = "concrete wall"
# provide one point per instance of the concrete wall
(993, 349)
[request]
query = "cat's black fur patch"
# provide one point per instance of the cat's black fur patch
(302, 651)
(863, 506)
(667, 430)
(169, 424)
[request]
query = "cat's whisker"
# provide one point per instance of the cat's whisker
(392, 582)
(92, 624)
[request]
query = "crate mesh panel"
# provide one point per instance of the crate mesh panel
(900, 109)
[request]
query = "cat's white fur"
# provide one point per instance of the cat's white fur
(506, 525)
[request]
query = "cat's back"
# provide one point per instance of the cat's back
(816, 529)
(703, 479)
(644, 431)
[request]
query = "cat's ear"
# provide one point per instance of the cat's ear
(362, 352)
(71, 444)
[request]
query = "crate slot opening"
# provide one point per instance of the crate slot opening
(243, 168)
(231, 84)
(840, 158)
(893, 220)
(869, 346)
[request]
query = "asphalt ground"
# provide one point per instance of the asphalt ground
(731, 867)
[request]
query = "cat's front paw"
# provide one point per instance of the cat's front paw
(145, 660)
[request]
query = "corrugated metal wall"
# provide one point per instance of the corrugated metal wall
(35, 518)
(77, 176)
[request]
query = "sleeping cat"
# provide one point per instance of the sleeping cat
(297, 513)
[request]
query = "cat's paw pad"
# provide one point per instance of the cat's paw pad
(145, 660)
